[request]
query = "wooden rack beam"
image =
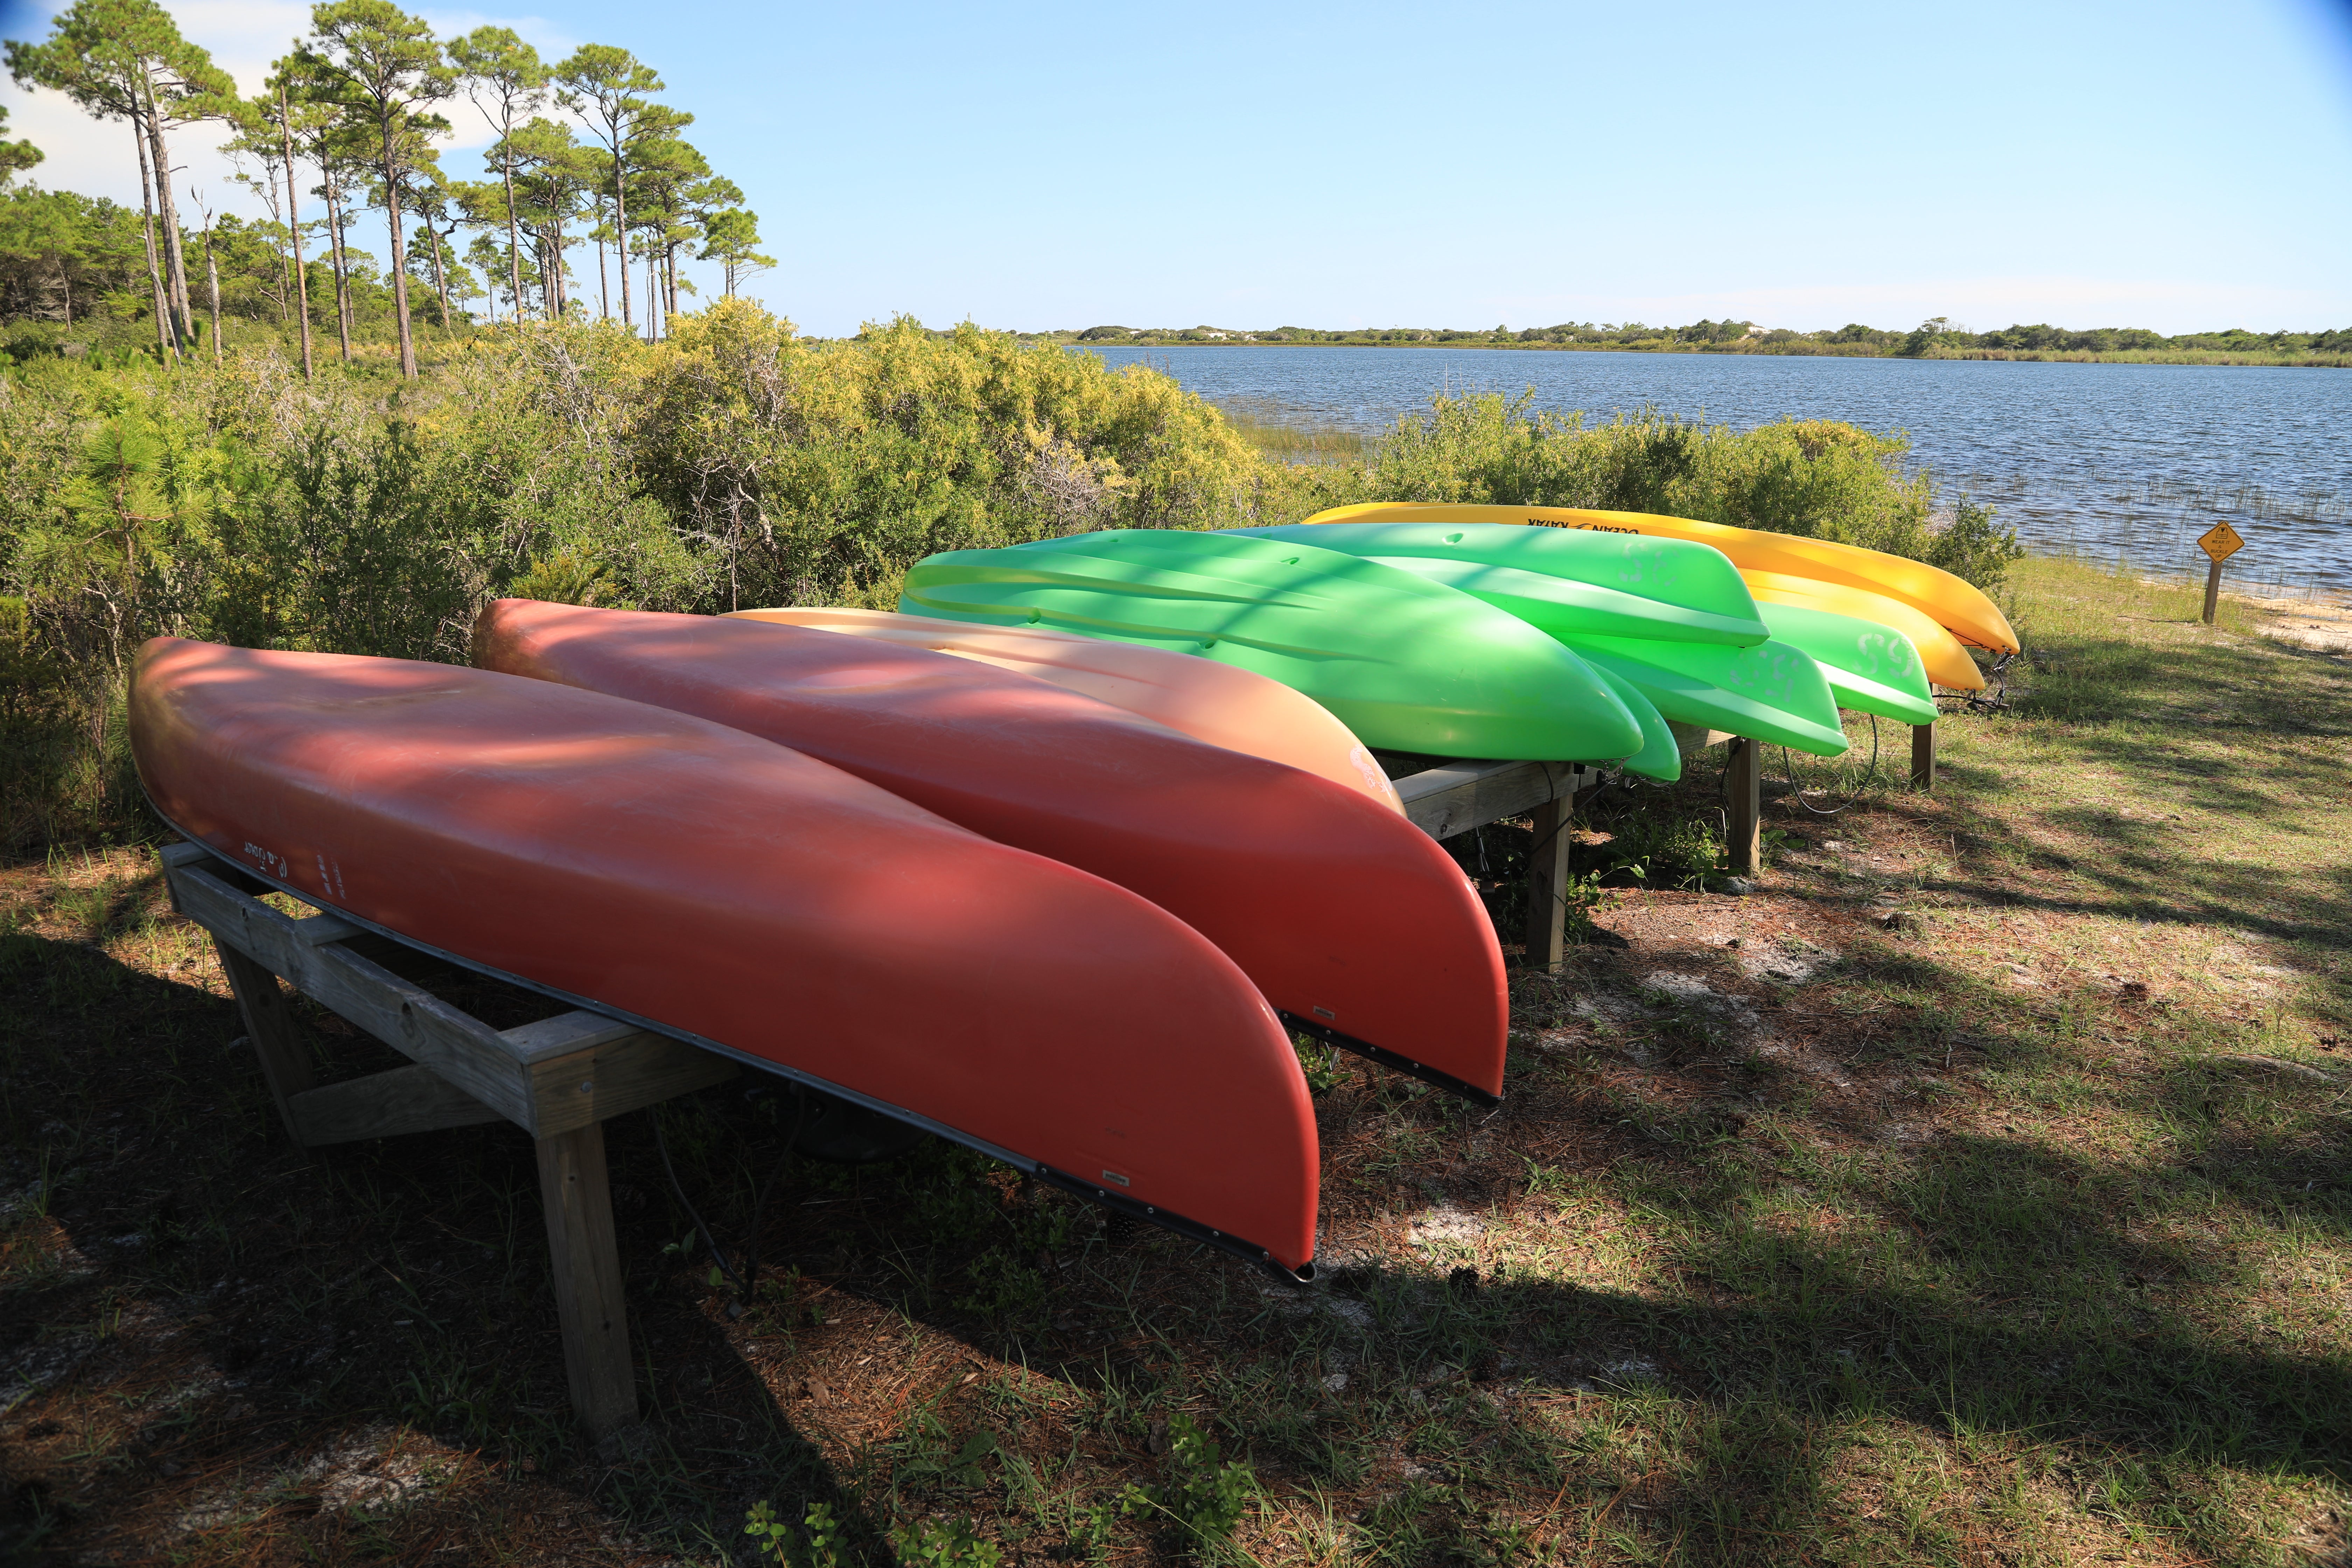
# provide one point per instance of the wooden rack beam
(1456, 797)
(559, 1080)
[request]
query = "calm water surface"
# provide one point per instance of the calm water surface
(2107, 459)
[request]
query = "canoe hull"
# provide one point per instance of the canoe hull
(1212, 702)
(1343, 913)
(726, 889)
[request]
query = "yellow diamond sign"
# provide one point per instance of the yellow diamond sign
(2221, 542)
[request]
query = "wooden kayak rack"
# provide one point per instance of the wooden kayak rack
(562, 1077)
(1456, 797)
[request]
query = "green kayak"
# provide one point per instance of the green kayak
(1871, 668)
(1408, 664)
(1670, 618)
(1660, 756)
(1770, 692)
(1565, 581)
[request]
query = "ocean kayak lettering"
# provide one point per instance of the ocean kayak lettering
(269, 861)
(1767, 670)
(1890, 649)
(1376, 781)
(1645, 564)
(1590, 527)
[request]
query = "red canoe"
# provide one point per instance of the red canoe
(690, 876)
(1350, 920)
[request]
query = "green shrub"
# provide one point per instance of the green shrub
(1205, 1492)
(1815, 477)
(735, 464)
(778, 1542)
(930, 1543)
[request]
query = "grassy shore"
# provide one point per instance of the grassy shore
(2293, 358)
(1974, 1191)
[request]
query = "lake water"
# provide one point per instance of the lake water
(2109, 460)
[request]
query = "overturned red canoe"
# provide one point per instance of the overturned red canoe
(1349, 919)
(691, 877)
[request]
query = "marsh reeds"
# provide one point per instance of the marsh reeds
(1289, 435)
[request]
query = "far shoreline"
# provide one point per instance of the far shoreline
(2213, 358)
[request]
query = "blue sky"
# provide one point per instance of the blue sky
(2153, 164)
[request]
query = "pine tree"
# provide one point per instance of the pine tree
(504, 77)
(385, 67)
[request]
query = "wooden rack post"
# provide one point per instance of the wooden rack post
(1923, 757)
(1744, 782)
(560, 1079)
(1455, 798)
(1547, 934)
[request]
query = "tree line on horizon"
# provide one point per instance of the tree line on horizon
(584, 155)
(1854, 338)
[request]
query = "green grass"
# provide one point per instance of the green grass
(1289, 435)
(1987, 1203)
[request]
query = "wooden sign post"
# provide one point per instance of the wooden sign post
(2221, 542)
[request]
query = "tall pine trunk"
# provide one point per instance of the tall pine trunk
(621, 229)
(212, 271)
(514, 232)
(440, 276)
(399, 254)
(335, 248)
(164, 335)
(285, 294)
(294, 229)
(176, 259)
(551, 292)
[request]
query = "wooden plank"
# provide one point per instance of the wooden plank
(549, 1077)
(624, 1069)
(1444, 801)
(317, 930)
(461, 1048)
(270, 1029)
(1547, 934)
(1697, 737)
(1923, 757)
(1744, 786)
(566, 1034)
(385, 1105)
(588, 1303)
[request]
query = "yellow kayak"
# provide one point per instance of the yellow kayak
(1218, 703)
(1947, 662)
(1955, 606)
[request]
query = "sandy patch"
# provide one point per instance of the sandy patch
(2322, 625)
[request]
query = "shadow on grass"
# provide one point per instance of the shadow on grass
(2219, 728)
(1818, 1273)
(1827, 1262)
(209, 1337)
